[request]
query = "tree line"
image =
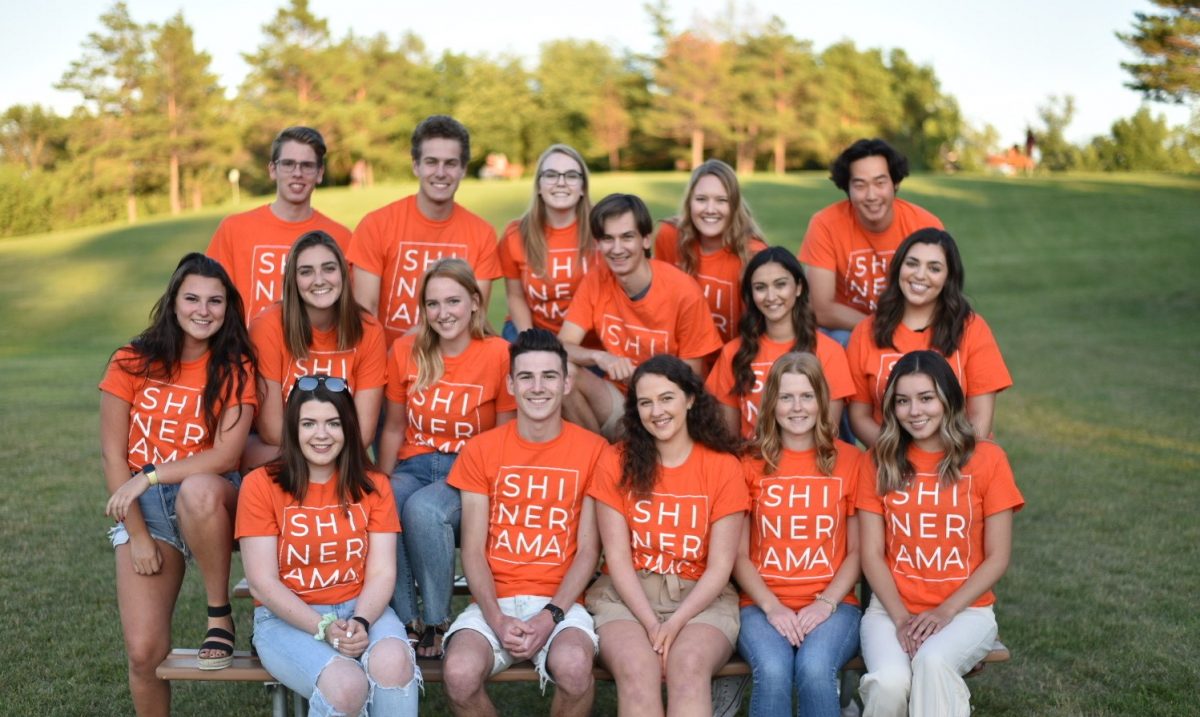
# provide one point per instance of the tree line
(154, 130)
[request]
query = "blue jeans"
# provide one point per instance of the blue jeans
(811, 669)
(294, 658)
(430, 511)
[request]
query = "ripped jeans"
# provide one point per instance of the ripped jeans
(294, 658)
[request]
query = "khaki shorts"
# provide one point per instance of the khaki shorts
(665, 593)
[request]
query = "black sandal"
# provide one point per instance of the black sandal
(225, 659)
(432, 639)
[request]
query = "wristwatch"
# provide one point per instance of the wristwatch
(150, 473)
(556, 613)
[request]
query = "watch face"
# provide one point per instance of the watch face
(556, 613)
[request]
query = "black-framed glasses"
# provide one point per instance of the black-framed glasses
(308, 168)
(550, 176)
(333, 384)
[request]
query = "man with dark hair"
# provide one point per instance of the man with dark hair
(394, 245)
(639, 307)
(253, 245)
(848, 244)
(529, 541)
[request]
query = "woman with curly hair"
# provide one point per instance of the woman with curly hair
(446, 383)
(924, 308)
(176, 404)
(935, 516)
(778, 319)
(545, 254)
(712, 239)
(798, 562)
(317, 328)
(670, 516)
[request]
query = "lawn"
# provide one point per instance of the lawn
(1087, 281)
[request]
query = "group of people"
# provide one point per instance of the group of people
(672, 417)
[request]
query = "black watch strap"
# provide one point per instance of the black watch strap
(556, 612)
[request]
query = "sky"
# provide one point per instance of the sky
(1001, 60)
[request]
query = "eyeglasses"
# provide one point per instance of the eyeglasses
(549, 176)
(333, 384)
(307, 168)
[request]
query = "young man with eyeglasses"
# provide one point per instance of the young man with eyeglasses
(394, 245)
(253, 245)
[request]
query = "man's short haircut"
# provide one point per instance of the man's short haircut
(536, 339)
(441, 127)
(303, 135)
(897, 163)
(616, 205)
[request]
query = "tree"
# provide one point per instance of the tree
(33, 137)
(1170, 46)
(930, 122)
(687, 101)
(778, 78)
(1057, 153)
(285, 70)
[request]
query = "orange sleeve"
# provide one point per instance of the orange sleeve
(381, 506)
(603, 486)
(256, 514)
(117, 380)
(508, 250)
(867, 498)
(468, 472)
(857, 355)
(487, 260)
(666, 243)
(370, 364)
(249, 395)
(732, 495)
(697, 335)
(266, 336)
(1000, 492)
(582, 309)
(985, 369)
(836, 368)
(847, 465)
(720, 380)
(505, 401)
(367, 243)
(399, 361)
(818, 248)
(219, 247)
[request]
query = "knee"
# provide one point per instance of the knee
(931, 662)
(145, 655)
(888, 686)
(201, 495)
(769, 672)
(426, 510)
(815, 672)
(389, 663)
(462, 677)
(344, 686)
(571, 668)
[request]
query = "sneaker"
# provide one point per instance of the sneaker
(727, 694)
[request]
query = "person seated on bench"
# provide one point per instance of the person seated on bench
(529, 541)
(935, 514)
(176, 404)
(798, 562)
(445, 385)
(318, 537)
(670, 518)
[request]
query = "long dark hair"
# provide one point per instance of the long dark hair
(297, 329)
(894, 470)
(158, 350)
(753, 324)
(953, 310)
(290, 469)
(639, 455)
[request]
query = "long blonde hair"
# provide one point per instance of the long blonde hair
(768, 439)
(742, 227)
(895, 471)
(426, 351)
(533, 224)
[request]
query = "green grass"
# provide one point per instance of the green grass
(1087, 282)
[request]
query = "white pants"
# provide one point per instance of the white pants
(931, 683)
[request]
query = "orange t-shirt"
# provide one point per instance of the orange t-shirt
(933, 536)
(798, 523)
(550, 294)
(836, 241)
(398, 243)
(672, 318)
(253, 247)
(977, 363)
(535, 496)
(721, 381)
(363, 367)
(669, 529)
(166, 416)
(461, 404)
(719, 275)
(322, 548)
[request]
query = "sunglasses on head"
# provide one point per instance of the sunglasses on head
(333, 384)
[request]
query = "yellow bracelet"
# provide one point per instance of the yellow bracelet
(151, 474)
(832, 605)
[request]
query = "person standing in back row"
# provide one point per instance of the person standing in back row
(394, 245)
(253, 246)
(848, 244)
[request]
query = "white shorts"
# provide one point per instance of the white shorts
(523, 607)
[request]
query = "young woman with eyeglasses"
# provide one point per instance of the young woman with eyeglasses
(317, 328)
(446, 383)
(318, 529)
(546, 252)
(935, 517)
(176, 404)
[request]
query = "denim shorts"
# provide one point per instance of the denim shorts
(158, 510)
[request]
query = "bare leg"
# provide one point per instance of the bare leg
(570, 663)
(344, 686)
(468, 664)
(698, 652)
(206, 506)
(626, 653)
(146, 603)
